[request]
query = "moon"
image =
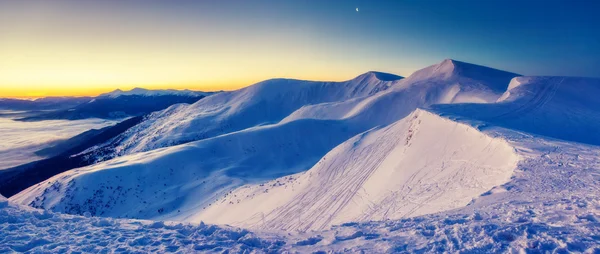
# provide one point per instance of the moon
(356, 9)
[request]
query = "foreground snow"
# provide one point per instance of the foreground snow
(419, 165)
(551, 204)
(404, 168)
(31, 230)
(181, 182)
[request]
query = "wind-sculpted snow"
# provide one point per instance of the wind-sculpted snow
(549, 206)
(559, 107)
(179, 181)
(24, 230)
(264, 103)
(447, 82)
(398, 164)
(419, 165)
(373, 98)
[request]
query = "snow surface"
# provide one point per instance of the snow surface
(455, 158)
(180, 182)
(21, 139)
(566, 108)
(26, 230)
(549, 205)
(419, 165)
(264, 103)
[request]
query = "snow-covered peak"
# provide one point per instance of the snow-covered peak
(451, 70)
(147, 92)
(379, 76)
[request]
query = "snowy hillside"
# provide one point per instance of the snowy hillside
(264, 103)
(364, 101)
(447, 82)
(566, 108)
(419, 165)
(549, 205)
(181, 181)
(166, 182)
(454, 157)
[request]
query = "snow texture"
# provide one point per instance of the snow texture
(171, 184)
(455, 158)
(26, 230)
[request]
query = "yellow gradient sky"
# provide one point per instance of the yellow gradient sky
(65, 48)
(86, 47)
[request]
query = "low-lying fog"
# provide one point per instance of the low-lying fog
(20, 140)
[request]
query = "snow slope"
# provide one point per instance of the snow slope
(515, 181)
(566, 108)
(447, 82)
(550, 205)
(179, 182)
(27, 230)
(264, 103)
(419, 165)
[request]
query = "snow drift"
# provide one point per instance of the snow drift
(264, 103)
(178, 182)
(566, 108)
(419, 165)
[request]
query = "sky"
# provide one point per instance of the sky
(84, 47)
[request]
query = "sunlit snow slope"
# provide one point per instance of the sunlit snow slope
(274, 129)
(566, 108)
(421, 164)
(263, 103)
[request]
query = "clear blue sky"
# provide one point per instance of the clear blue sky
(231, 43)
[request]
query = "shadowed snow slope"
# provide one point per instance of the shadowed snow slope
(177, 183)
(447, 82)
(173, 182)
(374, 98)
(264, 103)
(560, 107)
(419, 165)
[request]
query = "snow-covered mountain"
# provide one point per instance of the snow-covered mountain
(158, 92)
(365, 101)
(264, 103)
(264, 140)
(559, 107)
(455, 156)
(119, 104)
(419, 165)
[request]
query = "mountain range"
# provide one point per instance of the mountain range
(117, 104)
(450, 142)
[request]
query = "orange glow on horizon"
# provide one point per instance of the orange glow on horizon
(94, 47)
(32, 92)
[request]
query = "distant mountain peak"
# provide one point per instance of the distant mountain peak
(147, 92)
(451, 70)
